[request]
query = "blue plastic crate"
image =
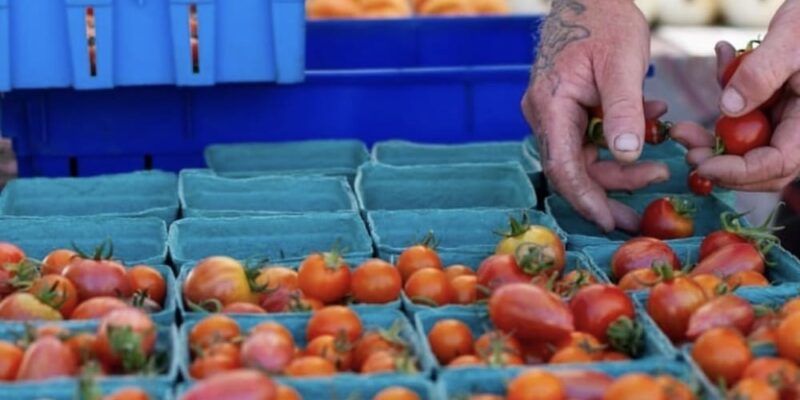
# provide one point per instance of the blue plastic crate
(460, 234)
(582, 233)
(324, 157)
(45, 43)
(383, 187)
(70, 390)
(279, 238)
(464, 382)
(297, 323)
(187, 314)
(136, 240)
(785, 268)
(204, 194)
(166, 342)
(139, 194)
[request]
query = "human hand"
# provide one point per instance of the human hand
(773, 68)
(584, 61)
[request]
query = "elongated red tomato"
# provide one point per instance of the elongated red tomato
(98, 278)
(668, 218)
(500, 270)
(530, 313)
(717, 240)
(641, 253)
(739, 135)
(671, 304)
(731, 259)
(239, 385)
(47, 358)
(729, 311)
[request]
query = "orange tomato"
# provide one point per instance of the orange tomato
(722, 353)
(788, 338)
(710, 284)
(753, 389)
(454, 271)
(536, 385)
(450, 339)
(242, 308)
(310, 366)
(10, 360)
(287, 393)
(574, 354)
(466, 361)
(83, 345)
(337, 351)
(465, 289)
(57, 292)
(674, 389)
(747, 278)
(495, 341)
(429, 286)
(55, 262)
(380, 362)
(210, 365)
(334, 320)
(790, 307)
(214, 329)
(325, 277)
(772, 369)
(373, 342)
(416, 258)
(635, 386)
(145, 279)
(396, 393)
(376, 282)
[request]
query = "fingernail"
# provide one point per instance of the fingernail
(627, 142)
(732, 101)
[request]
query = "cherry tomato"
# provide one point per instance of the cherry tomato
(738, 135)
(717, 240)
(10, 360)
(534, 353)
(584, 385)
(266, 351)
(551, 253)
(597, 307)
(142, 332)
(639, 279)
(710, 284)
(635, 386)
(325, 277)
(788, 339)
(790, 307)
(57, 292)
(239, 385)
(699, 185)
(465, 289)
(429, 286)
(10, 254)
(242, 308)
(530, 313)
(213, 329)
(536, 384)
(765, 330)
(642, 253)
(671, 304)
(380, 362)
(655, 131)
(97, 307)
(55, 262)
(279, 284)
(271, 327)
(97, 278)
(376, 282)
(218, 278)
(731, 259)
(724, 311)
(466, 361)
(310, 366)
(47, 358)
(226, 349)
(753, 389)
(373, 342)
(26, 307)
(772, 369)
(573, 281)
(418, 257)
(674, 389)
(334, 320)
(287, 393)
(498, 271)
(746, 278)
(396, 393)
(449, 339)
(336, 350)
(148, 280)
(722, 353)
(210, 365)
(455, 271)
(668, 218)
(128, 394)
(575, 354)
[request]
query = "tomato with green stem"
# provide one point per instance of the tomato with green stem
(325, 277)
(730, 260)
(551, 253)
(337, 350)
(419, 256)
(608, 314)
(26, 307)
(499, 270)
(217, 281)
(429, 286)
(212, 330)
(98, 275)
(672, 302)
(57, 292)
(642, 253)
(668, 218)
(530, 313)
(732, 231)
(147, 280)
(126, 339)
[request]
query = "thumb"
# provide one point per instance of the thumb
(623, 109)
(760, 74)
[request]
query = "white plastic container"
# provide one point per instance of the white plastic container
(688, 12)
(530, 6)
(750, 13)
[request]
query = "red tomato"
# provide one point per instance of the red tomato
(429, 286)
(596, 308)
(97, 278)
(584, 385)
(500, 270)
(376, 282)
(396, 393)
(310, 366)
(239, 385)
(10, 254)
(126, 338)
(55, 262)
(243, 308)
(722, 353)
(726, 311)
(26, 307)
(213, 364)
(83, 345)
(450, 339)
(10, 360)
(418, 257)
(148, 280)
(47, 358)
(334, 320)
(325, 277)
(213, 329)
(738, 135)
(668, 218)
(699, 185)
(672, 302)
(717, 240)
(642, 253)
(270, 352)
(655, 131)
(57, 292)
(536, 384)
(731, 259)
(97, 307)
(280, 284)
(336, 350)
(530, 313)
(218, 278)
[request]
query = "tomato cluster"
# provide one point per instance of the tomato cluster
(222, 284)
(71, 285)
(578, 384)
(124, 343)
(336, 342)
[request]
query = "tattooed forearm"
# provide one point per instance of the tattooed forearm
(559, 31)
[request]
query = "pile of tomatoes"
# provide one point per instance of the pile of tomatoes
(71, 285)
(336, 343)
(578, 384)
(123, 344)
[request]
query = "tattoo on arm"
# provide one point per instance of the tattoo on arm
(558, 32)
